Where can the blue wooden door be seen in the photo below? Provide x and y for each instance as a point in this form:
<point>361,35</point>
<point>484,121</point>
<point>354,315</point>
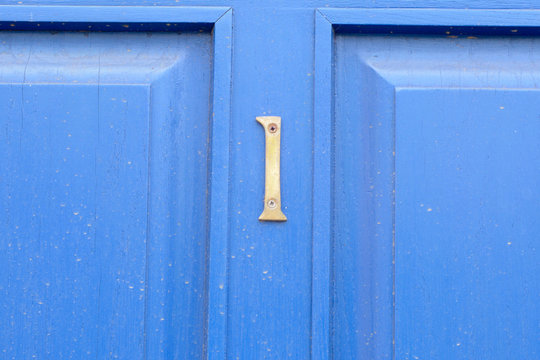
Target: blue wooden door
<point>133,176</point>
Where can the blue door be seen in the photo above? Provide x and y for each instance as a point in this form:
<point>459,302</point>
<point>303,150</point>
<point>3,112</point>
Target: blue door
<point>400,144</point>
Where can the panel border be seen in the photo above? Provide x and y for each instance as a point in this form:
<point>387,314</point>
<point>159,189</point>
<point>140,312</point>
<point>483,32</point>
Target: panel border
<point>221,20</point>
<point>327,22</point>
<point>111,14</point>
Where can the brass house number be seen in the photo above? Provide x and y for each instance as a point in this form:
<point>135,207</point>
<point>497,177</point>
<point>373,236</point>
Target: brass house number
<point>272,193</point>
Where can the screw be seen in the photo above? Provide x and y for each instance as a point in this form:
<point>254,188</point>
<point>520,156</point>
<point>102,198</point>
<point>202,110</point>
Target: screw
<point>271,203</point>
<point>272,128</point>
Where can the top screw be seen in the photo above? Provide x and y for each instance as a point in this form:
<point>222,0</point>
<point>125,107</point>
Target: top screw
<point>272,128</point>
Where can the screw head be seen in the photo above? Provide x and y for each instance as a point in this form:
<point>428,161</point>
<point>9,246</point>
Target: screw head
<point>272,128</point>
<point>271,203</point>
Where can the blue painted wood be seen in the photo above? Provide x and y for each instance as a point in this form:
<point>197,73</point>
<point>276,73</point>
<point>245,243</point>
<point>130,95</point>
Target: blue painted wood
<point>218,253</point>
<point>125,217</point>
<point>322,190</point>
<point>363,239</point>
<point>433,17</point>
<point>178,210</point>
<point>307,5</point>
<point>264,291</point>
<point>403,286</point>
<point>467,223</point>
<point>270,263</point>
<point>69,272</point>
<point>112,14</point>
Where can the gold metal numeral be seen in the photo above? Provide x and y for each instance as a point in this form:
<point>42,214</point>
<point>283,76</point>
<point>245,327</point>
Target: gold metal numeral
<point>272,193</point>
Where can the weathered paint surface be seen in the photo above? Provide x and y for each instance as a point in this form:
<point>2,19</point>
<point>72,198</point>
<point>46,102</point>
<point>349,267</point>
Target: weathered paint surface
<point>103,153</point>
<point>133,175</point>
<point>435,242</point>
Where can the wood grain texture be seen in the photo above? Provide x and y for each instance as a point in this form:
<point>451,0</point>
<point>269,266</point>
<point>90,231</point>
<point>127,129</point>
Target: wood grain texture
<point>305,4</point>
<point>320,285</point>
<point>322,190</point>
<point>218,252</point>
<point>122,122</point>
<point>381,221</point>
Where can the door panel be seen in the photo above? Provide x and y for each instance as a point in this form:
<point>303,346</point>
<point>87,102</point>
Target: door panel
<point>104,154</point>
<point>435,192</point>
<point>467,190</point>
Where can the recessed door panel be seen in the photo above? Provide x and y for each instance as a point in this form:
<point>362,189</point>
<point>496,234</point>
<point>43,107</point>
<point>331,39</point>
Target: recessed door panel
<point>467,190</point>
<point>104,148</point>
<point>435,197</point>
